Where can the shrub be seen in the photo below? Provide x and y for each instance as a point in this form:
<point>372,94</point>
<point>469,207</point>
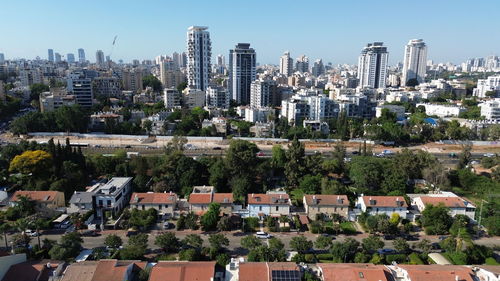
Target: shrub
<point>309,258</point>
<point>347,228</point>
<point>285,229</point>
<point>315,227</point>
<point>324,256</point>
<point>399,258</point>
<point>458,258</point>
<point>491,261</point>
<point>415,259</point>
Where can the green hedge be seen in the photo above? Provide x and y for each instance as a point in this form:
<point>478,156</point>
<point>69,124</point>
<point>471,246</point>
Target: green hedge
<point>399,258</point>
<point>324,256</point>
<point>415,259</point>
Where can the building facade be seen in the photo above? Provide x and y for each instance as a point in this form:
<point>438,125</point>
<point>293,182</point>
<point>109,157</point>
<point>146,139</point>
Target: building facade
<point>242,71</point>
<point>286,64</point>
<point>199,53</point>
<point>264,93</point>
<point>372,65</point>
<point>415,61</point>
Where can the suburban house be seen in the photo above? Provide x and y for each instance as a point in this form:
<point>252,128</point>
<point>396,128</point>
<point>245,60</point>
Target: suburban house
<point>202,196</point>
<point>48,203</point>
<point>80,202</point>
<point>104,270</point>
<point>164,203</point>
<point>268,271</point>
<point>326,204</point>
<point>354,271</point>
<point>432,272</point>
<point>268,204</point>
<point>37,270</point>
<point>112,196</point>
<point>456,204</point>
<point>183,271</point>
<point>376,205</point>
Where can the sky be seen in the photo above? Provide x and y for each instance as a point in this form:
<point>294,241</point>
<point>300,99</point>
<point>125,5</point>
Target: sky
<point>334,30</point>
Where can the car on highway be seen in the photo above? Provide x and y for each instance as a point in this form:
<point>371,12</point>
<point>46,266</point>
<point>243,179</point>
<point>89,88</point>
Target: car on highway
<point>261,154</point>
<point>263,235</point>
<point>216,148</point>
<point>489,155</point>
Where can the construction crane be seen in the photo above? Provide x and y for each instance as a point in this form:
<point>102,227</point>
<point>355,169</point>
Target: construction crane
<point>113,46</point>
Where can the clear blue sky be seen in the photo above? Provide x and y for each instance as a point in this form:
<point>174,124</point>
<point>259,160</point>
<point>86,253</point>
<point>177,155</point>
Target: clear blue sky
<point>334,30</point>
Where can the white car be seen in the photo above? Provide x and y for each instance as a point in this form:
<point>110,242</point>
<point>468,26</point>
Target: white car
<point>31,233</point>
<point>263,235</point>
<point>489,155</point>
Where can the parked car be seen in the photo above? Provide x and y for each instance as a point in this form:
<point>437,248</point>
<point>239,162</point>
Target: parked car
<point>263,235</point>
<point>410,237</point>
<point>31,233</point>
<point>216,148</point>
<point>70,229</point>
<point>386,251</point>
<point>389,237</point>
<point>132,232</point>
<point>65,224</point>
<point>442,237</point>
<point>90,233</point>
<point>168,225</point>
<point>261,154</point>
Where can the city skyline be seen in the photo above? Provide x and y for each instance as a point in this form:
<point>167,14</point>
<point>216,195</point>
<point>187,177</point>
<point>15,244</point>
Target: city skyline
<point>335,37</point>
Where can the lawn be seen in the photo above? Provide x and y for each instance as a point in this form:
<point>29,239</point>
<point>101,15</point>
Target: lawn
<point>347,227</point>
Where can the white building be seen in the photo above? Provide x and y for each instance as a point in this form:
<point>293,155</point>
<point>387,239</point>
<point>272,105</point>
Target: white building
<point>112,196</point>
<point>492,83</point>
<point>397,109</point>
<point>372,65</point>
<point>457,205</point>
<point>302,64</point>
<point>415,61</point>
<point>268,204</point>
<point>193,98</point>
<point>442,110</point>
<point>490,110</point>
<point>242,71</point>
<point>54,99</point>
<point>313,107</point>
<point>171,98</point>
<point>217,97</point>
<point>260,114</point>
<point>286,64</point>
<point>199,53</point>
<point>263,93</point>
<point>376,205</point>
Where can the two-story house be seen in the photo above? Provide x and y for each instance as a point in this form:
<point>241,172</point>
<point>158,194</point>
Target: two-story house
<point>112,196</point>
<point>268,204</point>
<point>164,203</point>
<point>457,205</point>
<point>47,203</point>
<point>198,202</point>
<point>375,205</point>
<point>80,202</point>
<point>326,205</point>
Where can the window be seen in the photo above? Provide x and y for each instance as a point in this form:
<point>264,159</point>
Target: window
<point>100,202</point>
<point>260,208</point>
<point>277,208</point>
<point>108,202</point>
<point>142,207</point>
<point>159,207</point>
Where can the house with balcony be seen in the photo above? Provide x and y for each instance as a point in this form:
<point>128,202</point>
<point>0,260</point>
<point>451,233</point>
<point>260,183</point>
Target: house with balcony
<point>202,196</point>
<point>268,204</point>
<point>456,204</point>
<point>376,205</point>
<point>326,205</point>
<point>111,196</point>
<point>163,203</point>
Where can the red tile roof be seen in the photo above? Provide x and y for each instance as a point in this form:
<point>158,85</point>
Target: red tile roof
<point>114,270</point>
<point>153,198</point>
<point>31,271</point>
<point>354,272</point>
<point>183,271</point>
<point>207,198</point>
<point>450,202</point>
<point>223,198</point>
<point>262,271</point>
<point>385,201</point>
<point>43,196</point>
<point>327,200</point>
<point>271,198</point>
<point>436,272</point>
<point>200,198</point>
<point>81,271</point>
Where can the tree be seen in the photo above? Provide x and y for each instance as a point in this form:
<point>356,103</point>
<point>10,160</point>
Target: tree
<point>310,184</point>
<point>193,240</point>
<point>36,89</point>
<point>151,81</point>
<point>294,167</point>
<point>344,251</point>
<point>167,241</point>
<point>241,158</point>
<point>113,241</point>
<point>250,242</point>
<point>401,245</point>
<point>217,243</point>
<point>139,240</point>
<point>224,224</point>
<point>436,219</point>
<point>189,255</point>
<point>301,244</point>
<point>34,162</point>
<point>465,156</point>
<point>323,242</point>
<point>68,248</point>
<point>211,217</point>
<point>372,243</point>
<point>424,245</point>
<point>4,228</point>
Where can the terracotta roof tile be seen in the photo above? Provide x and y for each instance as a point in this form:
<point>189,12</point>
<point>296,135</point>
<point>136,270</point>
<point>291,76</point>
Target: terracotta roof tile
<point>200,198</point>
<point>273,199</point>
<point>438,272</point>
<point>183,271</point>
<point>327,200</point>
<point>223,198</point>
<point>384,201</point>
<point>44,196</point>
<point>114,270</point>
<point>82,271</point>
<point>262,271</point>
<point>450,202</point>
<point>354,272</point>
<point>153,198</point>
<point>31,270</point>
